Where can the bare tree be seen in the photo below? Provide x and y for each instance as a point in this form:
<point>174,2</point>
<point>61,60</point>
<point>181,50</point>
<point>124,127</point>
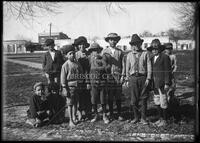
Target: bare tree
<point>146,33</point>
<point>26,11</point>
<point>113,8</point>
<point>186,16</point>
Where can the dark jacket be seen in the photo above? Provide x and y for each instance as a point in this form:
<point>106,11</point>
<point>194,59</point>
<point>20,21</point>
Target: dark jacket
<point>37,104</point>
<point>161,71</point>
<point>52,66</point>
<point>115,62</point>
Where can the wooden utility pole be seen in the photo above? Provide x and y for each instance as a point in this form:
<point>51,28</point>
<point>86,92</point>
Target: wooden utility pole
<point>50,31</point>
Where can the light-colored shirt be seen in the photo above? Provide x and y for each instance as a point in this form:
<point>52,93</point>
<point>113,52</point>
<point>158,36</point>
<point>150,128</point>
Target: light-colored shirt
<point>173,62</point>
<point>155,58</point>
<point>52,53</point>
<point>112,50</point>
<point>138,62</point>
<point>70,71</point>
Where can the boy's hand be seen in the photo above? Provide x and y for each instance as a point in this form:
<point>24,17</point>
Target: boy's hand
<point>88,86</point>
<point>127,84</point>
<point>166,88</point>
<point>122,80</point>
<point>147,82</point>
<point>65,92</point>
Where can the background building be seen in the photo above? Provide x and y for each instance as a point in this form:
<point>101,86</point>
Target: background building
<point>56,36</point>
<point>14,46</point>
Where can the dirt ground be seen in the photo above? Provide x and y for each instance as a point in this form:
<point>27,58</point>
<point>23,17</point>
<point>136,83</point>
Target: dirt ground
<point>19,81</point>
<point>14,127</point>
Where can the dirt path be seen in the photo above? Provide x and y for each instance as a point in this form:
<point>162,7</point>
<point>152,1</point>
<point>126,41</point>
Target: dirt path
<point>30,64</point>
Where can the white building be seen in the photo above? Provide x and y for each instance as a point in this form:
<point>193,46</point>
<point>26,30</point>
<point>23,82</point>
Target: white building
<point>14,46</point>
<point>61,42</point>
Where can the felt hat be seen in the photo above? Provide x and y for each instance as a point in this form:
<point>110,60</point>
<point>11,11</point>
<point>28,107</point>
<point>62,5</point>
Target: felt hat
<point>135,39</point>
<point>95,47</point>
<point>80,40</point>
<point>49,42</point>
<point>169,46</point>
<point>67,48</point>
<point>112,36</point>
<point>38,84</point>
<point>157,47</point>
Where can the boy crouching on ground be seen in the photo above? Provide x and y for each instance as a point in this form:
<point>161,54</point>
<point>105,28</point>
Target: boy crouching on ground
<point>38,112</point>
<point>69,82</point>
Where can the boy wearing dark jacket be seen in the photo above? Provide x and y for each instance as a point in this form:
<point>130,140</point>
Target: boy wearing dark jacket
<point>52,63</point>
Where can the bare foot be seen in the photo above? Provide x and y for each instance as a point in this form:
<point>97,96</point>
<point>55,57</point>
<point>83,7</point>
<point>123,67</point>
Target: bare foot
<point>71,124</point>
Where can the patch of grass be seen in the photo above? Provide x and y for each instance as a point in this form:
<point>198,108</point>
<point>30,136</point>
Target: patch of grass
<point>18,89</point>
<point>13,68</point>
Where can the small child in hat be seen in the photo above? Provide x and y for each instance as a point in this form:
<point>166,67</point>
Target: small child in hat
<point>39,110</point>
<point>98,80</point>
<point>161,80</point>
<point>70,81</point>
<point>84,109</point>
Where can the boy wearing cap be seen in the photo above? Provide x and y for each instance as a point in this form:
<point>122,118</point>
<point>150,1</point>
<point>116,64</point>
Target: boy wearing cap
<point>161,80</point>
<point>138,75</point>
<point>52,63</point>
<point>114,56</point>
<point>70,82</point>
<point>173,102</point>
<point>85,97</point>
<point>98,80</point>
<point>39,109</point>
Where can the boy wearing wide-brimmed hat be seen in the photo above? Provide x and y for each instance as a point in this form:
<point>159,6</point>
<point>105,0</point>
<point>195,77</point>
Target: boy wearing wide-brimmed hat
<point>138,75</point>
<point>114,56</point>
<point>70,81</point>
<point>52,63</point>
<point>98,80</point>
<point>161,80</point>
<point>82,57</point>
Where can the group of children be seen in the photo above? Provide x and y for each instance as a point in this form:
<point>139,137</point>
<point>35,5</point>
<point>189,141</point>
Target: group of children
<point>83,79</point>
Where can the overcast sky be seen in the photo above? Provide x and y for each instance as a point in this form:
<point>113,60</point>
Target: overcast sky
<point>91,19</point>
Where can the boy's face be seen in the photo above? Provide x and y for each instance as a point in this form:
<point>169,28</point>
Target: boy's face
<point>155,51</point>
<point>39,91</point>
<point>54,91</point>
<point>168,51</point>
<point>112,42</point>
<point>71,55</point>
<point>82,47</point>
<point>51,47</point>
<point>94,53</point>
<point>136,47</point>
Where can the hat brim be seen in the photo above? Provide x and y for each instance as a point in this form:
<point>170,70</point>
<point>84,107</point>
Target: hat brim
<point>160,48</point>
<point>94,49</point>
<point>168,48</point>
<point>53,44</point>
<point>136,42</point>
<point>117,38</point>
<point>78,42</point>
